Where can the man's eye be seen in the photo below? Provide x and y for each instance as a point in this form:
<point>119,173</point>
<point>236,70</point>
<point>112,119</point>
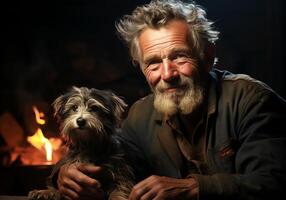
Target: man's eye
<point>153,66</point>
<point>182,55</point>
<point>181,58</point>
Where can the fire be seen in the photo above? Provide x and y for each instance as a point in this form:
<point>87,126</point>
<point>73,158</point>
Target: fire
<point>38,140</point>
<point>39,115</point>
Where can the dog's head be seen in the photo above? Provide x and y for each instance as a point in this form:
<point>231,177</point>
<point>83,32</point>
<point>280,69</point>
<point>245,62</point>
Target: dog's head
<point>86,114</point>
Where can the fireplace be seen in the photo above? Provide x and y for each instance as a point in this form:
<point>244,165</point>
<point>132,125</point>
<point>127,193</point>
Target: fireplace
<point>27,158</point>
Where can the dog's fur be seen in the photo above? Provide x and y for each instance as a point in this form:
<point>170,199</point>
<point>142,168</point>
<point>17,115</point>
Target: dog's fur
<point>89,120</point>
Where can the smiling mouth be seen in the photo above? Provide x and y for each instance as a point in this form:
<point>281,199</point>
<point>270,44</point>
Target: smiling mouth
<point>173,89</point>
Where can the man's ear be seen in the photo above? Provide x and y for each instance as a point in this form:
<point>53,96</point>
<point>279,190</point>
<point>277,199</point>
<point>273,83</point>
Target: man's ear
<point>209,56</point>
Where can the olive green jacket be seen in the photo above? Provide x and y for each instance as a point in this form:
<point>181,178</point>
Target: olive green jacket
<point>245,145</point>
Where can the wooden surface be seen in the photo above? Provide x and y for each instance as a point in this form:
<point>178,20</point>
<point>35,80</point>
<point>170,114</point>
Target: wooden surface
<point>13,198</point>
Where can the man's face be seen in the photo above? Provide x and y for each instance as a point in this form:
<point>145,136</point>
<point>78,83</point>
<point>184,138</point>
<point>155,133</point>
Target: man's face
<point>169,68</point>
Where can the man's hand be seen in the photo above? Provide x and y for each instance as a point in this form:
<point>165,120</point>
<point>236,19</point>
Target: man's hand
<point>159,187</point>
<point>74,182</point>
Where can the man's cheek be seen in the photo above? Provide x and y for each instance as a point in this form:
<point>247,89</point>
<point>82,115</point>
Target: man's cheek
<point>153,80</point>
<point>188,70</point>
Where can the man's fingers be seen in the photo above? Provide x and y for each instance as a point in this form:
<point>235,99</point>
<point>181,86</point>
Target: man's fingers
<point>67,180</point>
<point>85,180</point>
<point>88,168</point>
<point>75,173</point>
<point>74,181</point>
<point>68,193</point>
<point>145,189</point>
<point>72,185</point>
<point>72,190</point>
<point>138,191</point>
<point>149,195</point>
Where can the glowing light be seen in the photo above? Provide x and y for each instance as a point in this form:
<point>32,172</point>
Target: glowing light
<point>39,116</point>
<point>39,141</point>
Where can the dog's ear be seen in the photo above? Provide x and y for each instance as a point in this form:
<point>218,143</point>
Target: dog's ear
<point>58,105</point>
<point>119,107</point>
<point>75,89</point>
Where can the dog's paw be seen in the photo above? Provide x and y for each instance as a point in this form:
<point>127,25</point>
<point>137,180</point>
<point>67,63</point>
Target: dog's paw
<point>44,195</point>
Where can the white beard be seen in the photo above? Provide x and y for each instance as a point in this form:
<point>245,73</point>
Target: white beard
<point>184,100</point>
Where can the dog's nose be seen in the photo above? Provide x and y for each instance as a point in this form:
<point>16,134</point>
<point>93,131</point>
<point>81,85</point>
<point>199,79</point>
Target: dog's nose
<point>80,122</point>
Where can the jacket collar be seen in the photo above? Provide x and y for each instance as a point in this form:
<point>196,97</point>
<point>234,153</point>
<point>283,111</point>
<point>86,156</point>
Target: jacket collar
<point>212,93</point>
<point>169,144</point>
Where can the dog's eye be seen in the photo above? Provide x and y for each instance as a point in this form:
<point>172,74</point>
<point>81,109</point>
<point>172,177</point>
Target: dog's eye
<point>94,108</point>
<point>74,108</point>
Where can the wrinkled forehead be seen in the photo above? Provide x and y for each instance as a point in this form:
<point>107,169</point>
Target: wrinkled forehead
<point>164,39</point>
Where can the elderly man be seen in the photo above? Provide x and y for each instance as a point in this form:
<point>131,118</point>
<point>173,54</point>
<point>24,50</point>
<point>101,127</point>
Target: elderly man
<point>203,133</point>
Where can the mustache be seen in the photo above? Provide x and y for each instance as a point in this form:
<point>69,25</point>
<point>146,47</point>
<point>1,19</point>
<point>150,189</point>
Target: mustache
<point>182,82</point>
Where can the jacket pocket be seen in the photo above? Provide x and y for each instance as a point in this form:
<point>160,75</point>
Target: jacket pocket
<point>222,158</point>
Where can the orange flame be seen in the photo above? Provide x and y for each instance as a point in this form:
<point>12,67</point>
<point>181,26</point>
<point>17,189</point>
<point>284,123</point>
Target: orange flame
<point>39,115</point>
<point>38,140</point>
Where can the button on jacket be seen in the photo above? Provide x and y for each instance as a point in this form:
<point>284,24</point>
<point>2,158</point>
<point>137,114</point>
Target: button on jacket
<point>245,140</point>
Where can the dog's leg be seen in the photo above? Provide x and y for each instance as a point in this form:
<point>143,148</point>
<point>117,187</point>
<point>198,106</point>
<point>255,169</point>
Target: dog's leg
<point>49,194</point>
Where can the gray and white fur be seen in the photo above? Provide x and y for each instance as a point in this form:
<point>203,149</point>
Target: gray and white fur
<point>89,122</point>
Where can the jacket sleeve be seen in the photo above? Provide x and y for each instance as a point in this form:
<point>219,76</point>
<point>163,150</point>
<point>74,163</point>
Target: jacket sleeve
<point>131,144</point>
<point>260,161</point>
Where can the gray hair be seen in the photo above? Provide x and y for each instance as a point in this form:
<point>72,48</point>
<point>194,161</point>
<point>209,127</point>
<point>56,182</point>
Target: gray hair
<point>157,14</point>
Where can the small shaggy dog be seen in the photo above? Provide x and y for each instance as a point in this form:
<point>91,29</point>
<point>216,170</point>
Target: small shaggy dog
<point>89,120</point>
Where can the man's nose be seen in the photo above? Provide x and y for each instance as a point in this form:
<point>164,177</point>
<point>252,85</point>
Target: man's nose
<point>169,71</point>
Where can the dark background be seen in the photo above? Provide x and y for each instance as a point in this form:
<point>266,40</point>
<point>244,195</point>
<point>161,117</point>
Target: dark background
<point>47,47</point>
